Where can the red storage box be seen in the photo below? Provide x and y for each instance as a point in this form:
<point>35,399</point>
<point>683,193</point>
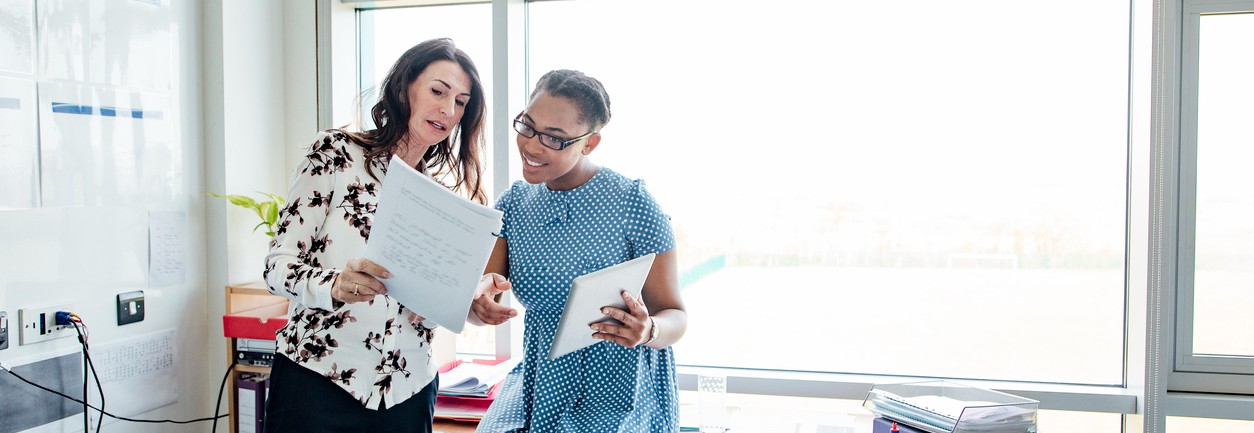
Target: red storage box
<point>254,314</point>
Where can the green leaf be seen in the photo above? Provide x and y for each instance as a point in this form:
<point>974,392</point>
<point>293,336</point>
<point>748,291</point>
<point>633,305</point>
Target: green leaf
<point>277,199</point>
<point>272,214</point>
<point>267,211</point>
<point>263,210</point>
<point>238,200</point>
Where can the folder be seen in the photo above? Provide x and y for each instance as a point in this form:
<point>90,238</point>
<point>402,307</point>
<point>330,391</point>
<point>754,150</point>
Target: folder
<point>251,404</point>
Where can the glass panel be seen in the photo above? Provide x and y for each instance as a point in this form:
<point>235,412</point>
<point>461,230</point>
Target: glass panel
<point>387,33</point>
<point>1059,421</point>
<point>1224,262</point>
<point>1179,424</point>
<point>938,190</point>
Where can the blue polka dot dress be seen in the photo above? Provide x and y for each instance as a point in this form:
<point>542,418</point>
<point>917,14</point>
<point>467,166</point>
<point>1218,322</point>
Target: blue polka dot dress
<point>555,236</point>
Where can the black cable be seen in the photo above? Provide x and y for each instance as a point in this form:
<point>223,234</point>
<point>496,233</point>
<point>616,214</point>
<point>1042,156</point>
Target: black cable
<point>86,368</point>
<point>154,421</point>
<point>86,413</point>
<point>218,404</point>
<point>95,375</point>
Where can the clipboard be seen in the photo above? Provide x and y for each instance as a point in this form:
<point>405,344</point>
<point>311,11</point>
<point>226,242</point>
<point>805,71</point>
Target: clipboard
<point>590,292</point>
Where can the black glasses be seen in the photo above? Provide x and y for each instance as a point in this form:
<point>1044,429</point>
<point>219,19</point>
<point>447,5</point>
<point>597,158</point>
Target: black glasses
<point>547,140</point>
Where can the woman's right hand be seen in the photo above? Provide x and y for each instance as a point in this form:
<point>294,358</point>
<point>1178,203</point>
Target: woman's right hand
<point>359,281</point>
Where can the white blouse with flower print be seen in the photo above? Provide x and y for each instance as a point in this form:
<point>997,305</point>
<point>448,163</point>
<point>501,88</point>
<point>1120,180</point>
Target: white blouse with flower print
<point>376,350</point>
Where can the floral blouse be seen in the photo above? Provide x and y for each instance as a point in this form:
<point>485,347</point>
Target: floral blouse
<point>376,350</point>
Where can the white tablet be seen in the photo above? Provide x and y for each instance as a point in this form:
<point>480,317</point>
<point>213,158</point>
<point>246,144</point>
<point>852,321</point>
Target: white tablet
<point>590,292</point>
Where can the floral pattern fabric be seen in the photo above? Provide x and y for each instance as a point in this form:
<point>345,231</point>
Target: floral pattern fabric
<point>376,350</point>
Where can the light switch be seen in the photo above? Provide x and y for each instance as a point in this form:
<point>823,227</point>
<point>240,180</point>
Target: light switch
<point>130,307</point>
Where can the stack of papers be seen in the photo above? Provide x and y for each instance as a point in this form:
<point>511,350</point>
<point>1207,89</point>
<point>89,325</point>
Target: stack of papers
<point>434,242</point>
<point>939,407</point>
<point>470,379</point>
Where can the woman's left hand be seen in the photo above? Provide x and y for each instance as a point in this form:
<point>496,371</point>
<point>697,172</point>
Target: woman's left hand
<point>636,324</point>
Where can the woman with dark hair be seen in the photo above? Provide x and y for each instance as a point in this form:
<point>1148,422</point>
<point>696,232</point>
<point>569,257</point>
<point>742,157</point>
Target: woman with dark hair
<point>351,358</point>
<point>568,217</point>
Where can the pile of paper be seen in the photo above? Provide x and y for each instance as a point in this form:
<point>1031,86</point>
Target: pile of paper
<point>940,407</point>
<point>472,379</point>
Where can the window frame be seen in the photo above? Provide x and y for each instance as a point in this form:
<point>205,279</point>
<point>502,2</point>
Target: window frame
<point>1192,372</point>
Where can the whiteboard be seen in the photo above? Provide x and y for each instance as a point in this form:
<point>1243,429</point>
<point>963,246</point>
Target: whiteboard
<point>116,42</point>
<point>105,147</point>
<point>17,36</point>
<point>18,144</point>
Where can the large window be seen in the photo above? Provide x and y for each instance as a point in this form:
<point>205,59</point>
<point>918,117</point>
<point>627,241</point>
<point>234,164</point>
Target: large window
<point>384,34</point>
<point>921,188</point>
<point>927,189</point>
<point>1216,263</point>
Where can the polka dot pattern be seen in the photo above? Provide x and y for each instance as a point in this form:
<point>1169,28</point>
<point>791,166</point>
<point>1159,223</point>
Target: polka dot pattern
<point>553,237</point>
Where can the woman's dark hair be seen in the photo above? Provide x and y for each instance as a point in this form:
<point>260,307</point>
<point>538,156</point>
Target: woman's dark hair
<point>586,92</point>
<point>391,118</point>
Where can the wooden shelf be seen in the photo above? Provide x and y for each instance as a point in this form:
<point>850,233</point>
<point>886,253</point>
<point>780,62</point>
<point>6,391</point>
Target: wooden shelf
<point>244,298</point>
<point>241,368</point>
<point>250,289</point>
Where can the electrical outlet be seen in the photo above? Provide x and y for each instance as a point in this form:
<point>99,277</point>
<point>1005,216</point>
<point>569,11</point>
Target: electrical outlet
<point>40,323</point>
<point>4,330</point>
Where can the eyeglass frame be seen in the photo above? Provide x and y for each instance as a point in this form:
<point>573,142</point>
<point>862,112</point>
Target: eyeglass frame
<point>563,143</point>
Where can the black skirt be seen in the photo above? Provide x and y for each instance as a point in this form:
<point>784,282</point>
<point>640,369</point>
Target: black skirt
<point>301,400</point>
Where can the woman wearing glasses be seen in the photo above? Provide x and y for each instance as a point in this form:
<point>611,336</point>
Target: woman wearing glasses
<point>569,218</point>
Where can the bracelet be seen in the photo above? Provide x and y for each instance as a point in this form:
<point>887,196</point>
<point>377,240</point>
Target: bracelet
<point>652,330</point>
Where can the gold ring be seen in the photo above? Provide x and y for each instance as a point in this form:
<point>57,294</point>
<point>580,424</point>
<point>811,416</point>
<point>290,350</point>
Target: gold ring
<point>356,288</point>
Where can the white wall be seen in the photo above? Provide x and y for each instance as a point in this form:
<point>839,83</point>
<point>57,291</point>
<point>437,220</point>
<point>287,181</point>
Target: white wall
<point>244,93</point>
<point>86,255</point>
<point>260,112</point>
